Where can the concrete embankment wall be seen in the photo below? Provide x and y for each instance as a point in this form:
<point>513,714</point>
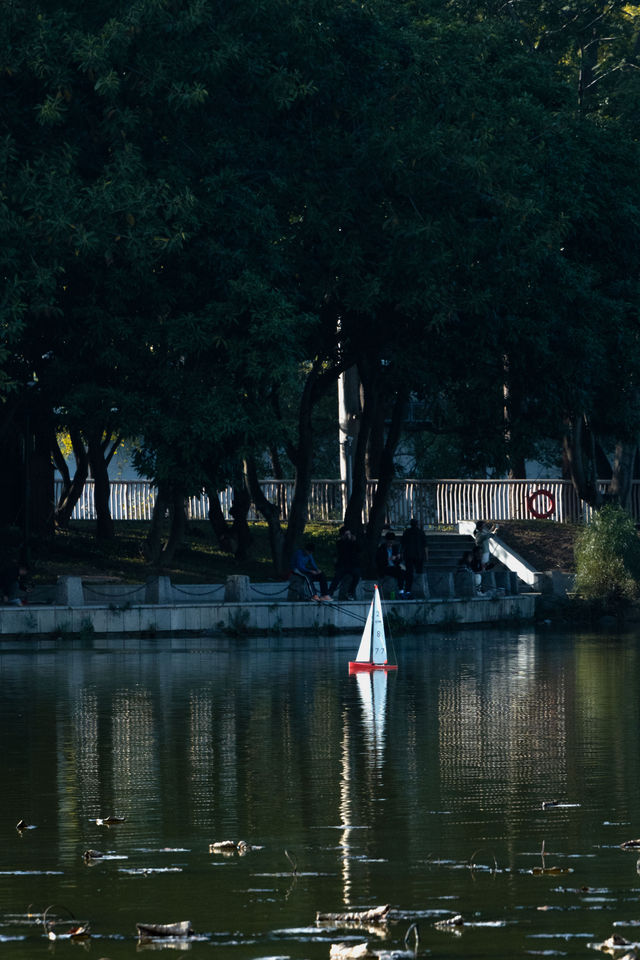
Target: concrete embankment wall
<point>257,618</point>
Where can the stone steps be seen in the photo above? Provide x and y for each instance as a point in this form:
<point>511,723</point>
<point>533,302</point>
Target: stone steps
<point>445,549</point>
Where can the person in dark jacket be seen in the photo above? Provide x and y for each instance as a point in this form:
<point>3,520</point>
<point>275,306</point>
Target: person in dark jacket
<point>389,560</point>
<point>347,566</point>
<point>304,564</point>
<point>414,552</point>
<point>12,582</point>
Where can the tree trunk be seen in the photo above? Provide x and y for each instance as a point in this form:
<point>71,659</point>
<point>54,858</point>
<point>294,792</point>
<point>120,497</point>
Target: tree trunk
<point>375,446</point>
<point>349,417</point>
<point>26,481</point>
<point>357,500</point>
<point>152,548</point>
<point>387,473</point>
<point>316,385</point>
<point>580,458</point>
<point>276,463</point>
<point>271,514</point>
<point>623,471</point>
<point>588,66</point>
<point>177,524</point>
<point>221,529</point>
<point>71,488</point>
<point>100,474</point>
<point>304,466</point>
<point>240,511</point>
<point>41,504</point>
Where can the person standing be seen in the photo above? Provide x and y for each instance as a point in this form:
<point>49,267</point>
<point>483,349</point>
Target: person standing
<point>12,582</point>
<point>414,552</point>
<point>389,560</point>
<point>347,566</point>
<point>482,535</point>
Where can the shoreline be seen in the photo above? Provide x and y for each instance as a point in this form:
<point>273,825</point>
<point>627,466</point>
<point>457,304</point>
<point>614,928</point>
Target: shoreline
<point>262,618</point>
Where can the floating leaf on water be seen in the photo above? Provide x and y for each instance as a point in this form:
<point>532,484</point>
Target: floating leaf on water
<point>550,871</point>
<point>109,821</point>
<point>347,951</point>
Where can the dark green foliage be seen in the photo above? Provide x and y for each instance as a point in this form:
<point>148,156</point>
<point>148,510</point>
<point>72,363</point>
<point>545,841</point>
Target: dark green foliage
<point>608,559</point>
<point>210,209</point>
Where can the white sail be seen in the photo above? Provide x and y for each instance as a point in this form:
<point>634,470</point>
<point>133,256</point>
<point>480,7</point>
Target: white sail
<point>364,650</point>
<point>378,639</point>
<point>373,645</point>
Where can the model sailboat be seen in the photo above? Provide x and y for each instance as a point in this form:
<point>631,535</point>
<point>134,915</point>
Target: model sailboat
<point>372,652</point>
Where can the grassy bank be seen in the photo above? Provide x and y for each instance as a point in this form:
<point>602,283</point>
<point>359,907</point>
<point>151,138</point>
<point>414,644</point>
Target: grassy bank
<point>76,552</point>
<point>544,544</point>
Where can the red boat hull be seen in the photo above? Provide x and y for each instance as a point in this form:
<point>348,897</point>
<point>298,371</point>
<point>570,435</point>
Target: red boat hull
<point>357,667</point>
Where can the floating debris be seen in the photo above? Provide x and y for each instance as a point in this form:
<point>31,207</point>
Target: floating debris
<point>346,951</point>
<point>558,804</point>
<point>92,855</point>
<point>109,821</point>
<point>375,915</point>
<point>152,931</point>
<point>551,871</point>
<point>23,825</point>
<point>630,845</point>
<point>233,846</point>
<point>450,922</point>
<point>77,930</point>
<point>615,945</point>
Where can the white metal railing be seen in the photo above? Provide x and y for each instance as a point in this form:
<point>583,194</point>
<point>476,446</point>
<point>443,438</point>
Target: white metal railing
<point>434,503</point>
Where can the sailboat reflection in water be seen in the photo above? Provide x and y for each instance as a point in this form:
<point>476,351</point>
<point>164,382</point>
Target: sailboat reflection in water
<point>372,688</point>
<point>372,652</point>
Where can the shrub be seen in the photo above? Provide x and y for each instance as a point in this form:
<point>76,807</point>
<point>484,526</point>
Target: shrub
<point>608,559</point>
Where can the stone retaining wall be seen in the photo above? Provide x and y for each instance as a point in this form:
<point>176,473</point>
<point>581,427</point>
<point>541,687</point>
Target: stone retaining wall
<point>237,619</point>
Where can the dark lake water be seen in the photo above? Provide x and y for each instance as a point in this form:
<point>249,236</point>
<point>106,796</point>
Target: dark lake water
<point>424,790</point>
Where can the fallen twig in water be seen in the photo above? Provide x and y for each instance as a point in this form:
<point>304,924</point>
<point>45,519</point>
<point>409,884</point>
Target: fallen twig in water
<point>538,871</point>
<point>77,931</point>
<point>23,825</point>
<point>450,923</point>
<point>292,862</point>
<point>473,855</point>
<point>233,846</point>
<point>413,929</point>
<point>375,914</point>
